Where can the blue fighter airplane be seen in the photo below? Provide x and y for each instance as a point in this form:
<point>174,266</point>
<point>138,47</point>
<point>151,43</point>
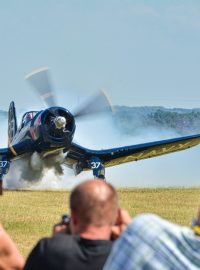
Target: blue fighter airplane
<point>49,133</point>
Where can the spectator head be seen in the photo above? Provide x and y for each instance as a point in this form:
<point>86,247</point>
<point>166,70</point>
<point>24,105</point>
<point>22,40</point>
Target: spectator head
<point>93,203</point>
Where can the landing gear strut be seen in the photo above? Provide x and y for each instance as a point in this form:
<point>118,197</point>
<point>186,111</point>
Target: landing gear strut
<point>4,166</point>
<point>98,168</point>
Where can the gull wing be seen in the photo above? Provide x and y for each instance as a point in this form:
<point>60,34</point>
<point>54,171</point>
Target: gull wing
<point>115,156</point>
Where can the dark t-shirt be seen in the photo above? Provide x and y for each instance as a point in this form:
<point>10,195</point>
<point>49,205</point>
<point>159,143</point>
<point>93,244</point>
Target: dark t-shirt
<point>68,252</point>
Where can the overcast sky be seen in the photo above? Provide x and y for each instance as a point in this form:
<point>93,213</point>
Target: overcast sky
<point>141,52</point>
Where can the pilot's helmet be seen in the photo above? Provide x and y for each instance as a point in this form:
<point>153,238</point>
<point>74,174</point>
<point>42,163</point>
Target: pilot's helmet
<point>29,117</point>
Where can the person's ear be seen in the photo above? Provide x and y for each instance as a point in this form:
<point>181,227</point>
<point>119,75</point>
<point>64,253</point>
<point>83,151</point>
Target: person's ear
<point>74,220</point>
<point>118,217</point>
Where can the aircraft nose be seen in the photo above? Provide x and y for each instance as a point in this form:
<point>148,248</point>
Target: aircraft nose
<point>60,122</point>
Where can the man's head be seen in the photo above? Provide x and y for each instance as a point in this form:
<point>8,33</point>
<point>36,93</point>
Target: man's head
<point>93,203</point>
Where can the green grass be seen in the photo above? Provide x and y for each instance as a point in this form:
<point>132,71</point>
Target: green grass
<point>29,215</point>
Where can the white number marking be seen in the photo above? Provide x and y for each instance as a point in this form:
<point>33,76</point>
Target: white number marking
<point>3,164</point>
<point>95,165</point>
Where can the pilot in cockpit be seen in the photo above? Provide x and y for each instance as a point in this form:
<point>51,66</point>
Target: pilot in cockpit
<point>27,117</point>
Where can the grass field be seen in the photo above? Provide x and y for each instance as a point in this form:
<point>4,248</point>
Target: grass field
<point>29,215</point>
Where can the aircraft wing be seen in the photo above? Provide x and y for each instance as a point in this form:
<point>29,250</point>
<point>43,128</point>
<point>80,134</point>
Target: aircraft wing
<point>16,150</point>
<point>116,156</point>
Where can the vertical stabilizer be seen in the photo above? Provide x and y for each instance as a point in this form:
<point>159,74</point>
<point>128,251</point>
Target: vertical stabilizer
<point>12,122</point>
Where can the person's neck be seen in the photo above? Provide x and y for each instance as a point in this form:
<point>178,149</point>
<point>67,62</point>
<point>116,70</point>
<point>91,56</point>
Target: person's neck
<point>96,233</point>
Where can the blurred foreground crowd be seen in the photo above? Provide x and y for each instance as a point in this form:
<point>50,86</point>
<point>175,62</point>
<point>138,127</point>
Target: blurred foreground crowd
<point>99,235</point>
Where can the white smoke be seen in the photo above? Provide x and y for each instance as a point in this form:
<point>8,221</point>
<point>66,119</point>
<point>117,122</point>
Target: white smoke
<point>177,169</point>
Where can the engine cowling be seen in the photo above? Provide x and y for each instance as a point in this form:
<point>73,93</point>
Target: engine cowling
<point>58,127</point>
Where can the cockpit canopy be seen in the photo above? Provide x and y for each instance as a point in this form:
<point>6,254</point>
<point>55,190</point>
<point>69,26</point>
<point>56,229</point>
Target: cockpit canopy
<point>28,116</point>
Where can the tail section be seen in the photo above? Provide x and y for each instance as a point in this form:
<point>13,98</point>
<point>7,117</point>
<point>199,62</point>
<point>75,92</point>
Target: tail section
<point>12,122</point>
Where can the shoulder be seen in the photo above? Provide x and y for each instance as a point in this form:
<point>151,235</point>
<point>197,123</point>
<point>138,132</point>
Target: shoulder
<point>47,250</point>
<point>49,245</point>
<point>140,237</point>
<point>149,227</point>
<point>147,217</point>
<point>57,242</point>
<point>145,221</point>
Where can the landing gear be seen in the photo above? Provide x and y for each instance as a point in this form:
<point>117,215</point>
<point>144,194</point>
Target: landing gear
<point>1,186</point>
<point>4,166</point>
<point>98,168</point>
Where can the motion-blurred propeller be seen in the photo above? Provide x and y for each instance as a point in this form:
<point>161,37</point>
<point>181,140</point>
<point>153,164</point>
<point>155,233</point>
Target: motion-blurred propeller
<point>97,104</point>
<point>40,80</point>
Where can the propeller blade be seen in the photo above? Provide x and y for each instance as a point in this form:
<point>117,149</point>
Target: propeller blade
<point>39,79</point>
<point>98,104</point>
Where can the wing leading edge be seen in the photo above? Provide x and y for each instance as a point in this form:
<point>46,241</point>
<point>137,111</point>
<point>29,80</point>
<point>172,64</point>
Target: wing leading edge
<point>116,156</point>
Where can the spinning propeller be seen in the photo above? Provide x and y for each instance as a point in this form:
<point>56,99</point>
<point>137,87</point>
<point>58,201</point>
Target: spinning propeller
<point>41,82</point>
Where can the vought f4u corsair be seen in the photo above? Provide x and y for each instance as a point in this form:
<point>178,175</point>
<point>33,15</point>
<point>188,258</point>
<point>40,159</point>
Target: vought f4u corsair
<point>49,133</point>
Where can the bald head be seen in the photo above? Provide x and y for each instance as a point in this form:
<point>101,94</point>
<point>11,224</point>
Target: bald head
<point>95,203</point>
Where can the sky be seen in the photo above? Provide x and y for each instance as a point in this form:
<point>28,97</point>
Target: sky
<point>143,53</point>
